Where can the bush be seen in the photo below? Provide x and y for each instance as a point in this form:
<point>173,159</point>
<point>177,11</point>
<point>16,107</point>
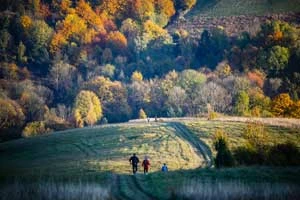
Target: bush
<point>224,157</point>
<point>142,114</point>
<point>286,154</point>
<point>212,115</point>
<point>34,129</point>
<point>104,121</point>
<point>249,155</point>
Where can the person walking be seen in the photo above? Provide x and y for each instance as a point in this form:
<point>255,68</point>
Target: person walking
<point>134,160</point>
<point>164,168</point>
<point>146,165</point>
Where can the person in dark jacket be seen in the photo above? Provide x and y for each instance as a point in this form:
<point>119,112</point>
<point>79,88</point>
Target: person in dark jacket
<point>134,160</point>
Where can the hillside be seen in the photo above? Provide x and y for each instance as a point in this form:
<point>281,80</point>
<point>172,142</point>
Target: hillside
<point>214,8</point>
<point>100,155</point>
<point>70,64</point>
<point>236,16</point>
<point>98,149</point>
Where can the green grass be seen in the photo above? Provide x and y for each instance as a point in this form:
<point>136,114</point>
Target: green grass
<point>98,157</point>
<point>91,151</point>
<point>206,131</point>
<point>242,7</point>
<point>163,184</point>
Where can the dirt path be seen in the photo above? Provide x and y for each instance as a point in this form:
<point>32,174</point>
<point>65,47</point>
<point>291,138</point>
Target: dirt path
<point>202,148</point>
<point>129,187</point>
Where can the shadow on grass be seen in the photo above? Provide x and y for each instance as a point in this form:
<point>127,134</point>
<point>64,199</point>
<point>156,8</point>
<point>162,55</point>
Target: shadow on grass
<point>210,183</point>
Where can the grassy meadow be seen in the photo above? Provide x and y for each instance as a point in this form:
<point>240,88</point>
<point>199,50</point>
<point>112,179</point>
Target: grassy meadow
<point>92,163</point>
<point>218,8</point>
<point>206,131</point>
<point>93,150</point>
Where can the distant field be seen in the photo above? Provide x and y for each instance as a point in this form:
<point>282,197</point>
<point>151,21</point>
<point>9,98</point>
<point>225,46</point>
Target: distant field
<point>214,8</point>
<point>206,130</point>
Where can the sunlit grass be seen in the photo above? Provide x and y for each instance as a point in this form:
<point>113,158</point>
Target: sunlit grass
<point>206,129</point>
<point>97,155</point>
<point>97,150</point>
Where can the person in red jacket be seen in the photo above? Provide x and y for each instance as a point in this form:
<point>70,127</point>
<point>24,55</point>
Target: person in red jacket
<point>146,165</point>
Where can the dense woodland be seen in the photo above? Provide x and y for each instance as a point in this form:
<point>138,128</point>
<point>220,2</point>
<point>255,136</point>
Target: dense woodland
<point>77,63</point>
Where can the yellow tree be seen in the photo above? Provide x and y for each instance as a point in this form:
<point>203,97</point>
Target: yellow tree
<point>116,41</point>
<point>114,8</point>
<point>137,76</point>
<point>11,114</point>
<point>85,11</point>
<point>142,114</point>
<point>113,96</point>
<point>72,26</point>
<point>295,109</point>
<point>281,105</point>
<point>143,9</point>
<point>26,22</point>
<point>87,108</point>
<point>166,7</point>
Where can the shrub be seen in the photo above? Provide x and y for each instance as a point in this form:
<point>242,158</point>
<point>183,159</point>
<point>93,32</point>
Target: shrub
<point>249,155</point>
<point>286,154</point>
<point>104,121</point>
<point>142,114</point>
<point>256,135</point>
<point>224,157</point>
<point>256,148</point>
<point>34,129</point>
<point>212,115</point>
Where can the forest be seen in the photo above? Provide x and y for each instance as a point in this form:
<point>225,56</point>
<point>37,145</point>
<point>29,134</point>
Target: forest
<point>67,64</point>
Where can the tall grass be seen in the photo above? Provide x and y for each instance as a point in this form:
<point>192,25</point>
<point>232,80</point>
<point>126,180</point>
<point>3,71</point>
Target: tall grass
<point>51,191</point>
<point>214,190</point>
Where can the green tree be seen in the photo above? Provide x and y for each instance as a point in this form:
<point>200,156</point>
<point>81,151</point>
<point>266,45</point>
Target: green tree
<point>21,53</point>
<point>108,70</point>
<point>4,40</point>
<point>242,104</point>
<point>190,79</point>
<point>224,157</point>
<point>278,59</point>
<point>87,108</point>
<point>40,35</point>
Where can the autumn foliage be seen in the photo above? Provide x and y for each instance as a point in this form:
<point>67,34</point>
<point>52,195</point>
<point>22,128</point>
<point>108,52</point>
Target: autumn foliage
<point>281,105</point>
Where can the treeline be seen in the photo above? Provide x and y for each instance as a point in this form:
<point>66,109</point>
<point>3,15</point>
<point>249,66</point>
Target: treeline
<point>77,63</point>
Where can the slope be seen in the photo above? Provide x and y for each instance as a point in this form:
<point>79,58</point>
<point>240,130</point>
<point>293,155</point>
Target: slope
<point>215,8</point>
<point>90,151</point>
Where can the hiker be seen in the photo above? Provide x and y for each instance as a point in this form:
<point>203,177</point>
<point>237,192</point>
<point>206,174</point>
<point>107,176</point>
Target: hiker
<point>134,160</point>
<point>164,168</point>
<point>146,164</point>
